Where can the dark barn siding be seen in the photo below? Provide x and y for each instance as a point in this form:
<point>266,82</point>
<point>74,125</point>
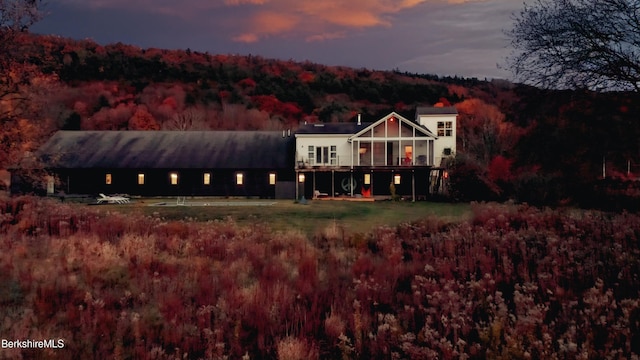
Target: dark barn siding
<point>81,160</point>
<point>157,182</point>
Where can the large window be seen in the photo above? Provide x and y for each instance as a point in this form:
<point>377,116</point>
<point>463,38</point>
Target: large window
<point>445,128</point>
<point>323,155</point>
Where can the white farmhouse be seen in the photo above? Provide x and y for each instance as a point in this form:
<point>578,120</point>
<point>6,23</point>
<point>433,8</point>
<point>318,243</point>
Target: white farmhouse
<point>364,159</point>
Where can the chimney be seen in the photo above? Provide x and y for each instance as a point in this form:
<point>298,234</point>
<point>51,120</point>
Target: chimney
<point>359,119</point>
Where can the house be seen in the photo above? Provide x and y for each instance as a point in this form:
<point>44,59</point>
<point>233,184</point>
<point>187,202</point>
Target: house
<point>176,163</point>
<point>365,159</point>
<point>358,159</point>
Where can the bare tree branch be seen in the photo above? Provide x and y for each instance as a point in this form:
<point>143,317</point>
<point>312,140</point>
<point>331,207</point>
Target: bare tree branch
<point>592,44</point>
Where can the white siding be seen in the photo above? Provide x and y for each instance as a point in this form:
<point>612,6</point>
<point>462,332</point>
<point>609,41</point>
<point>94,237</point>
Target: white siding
<point>343,148</point>
<point>443,142</point>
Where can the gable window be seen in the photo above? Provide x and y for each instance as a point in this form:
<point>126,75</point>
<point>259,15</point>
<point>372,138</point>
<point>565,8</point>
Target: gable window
<point>107,179</point>
<point>173,178</point>
<point>445,128</point>
<point>323,155</point>
<point>206,180</point>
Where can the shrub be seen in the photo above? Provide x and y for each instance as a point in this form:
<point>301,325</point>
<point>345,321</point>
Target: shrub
<point>511,282</point>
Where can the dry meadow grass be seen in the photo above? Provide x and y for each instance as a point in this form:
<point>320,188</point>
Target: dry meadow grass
<point>504,282</point>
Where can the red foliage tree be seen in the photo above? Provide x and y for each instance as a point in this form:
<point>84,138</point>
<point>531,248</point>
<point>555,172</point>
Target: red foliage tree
<point>143,120</point>
<point>500,169</point>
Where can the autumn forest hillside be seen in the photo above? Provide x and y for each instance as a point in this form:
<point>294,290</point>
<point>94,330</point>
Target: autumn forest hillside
<point>515,141</point>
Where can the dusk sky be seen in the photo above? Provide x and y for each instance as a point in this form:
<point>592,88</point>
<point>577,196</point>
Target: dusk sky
<point>442,37</point>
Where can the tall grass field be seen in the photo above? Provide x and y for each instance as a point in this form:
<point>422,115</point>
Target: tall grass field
<point>326,280</point>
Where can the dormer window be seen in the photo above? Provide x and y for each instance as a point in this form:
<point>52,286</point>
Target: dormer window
<point>445,128</point>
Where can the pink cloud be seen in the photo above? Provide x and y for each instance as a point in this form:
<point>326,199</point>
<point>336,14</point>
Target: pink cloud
<point>267,23</point>
<point>319,20</point>
<point>246,38</point>
<point>244,2</point>
<point>326,36</point>
<point>257,19</point>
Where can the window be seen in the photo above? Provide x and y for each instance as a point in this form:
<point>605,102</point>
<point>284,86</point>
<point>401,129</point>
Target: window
<point>323,155</point>
<point>107,179</point>
<point>367,179</point>
<point>408,155</point>
<point>272,178</point>
<point>173,178</point>
<point>50,184</point>
<point>333,155</point>
<point>396,179</point>
<point>140,179</point>
<point>207,179</point>
<point>312,156</point>
<point>445,128</point>
<point>239,179</point>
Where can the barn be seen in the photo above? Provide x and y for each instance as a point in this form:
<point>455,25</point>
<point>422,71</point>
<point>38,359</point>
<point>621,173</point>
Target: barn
<point>174,163</point>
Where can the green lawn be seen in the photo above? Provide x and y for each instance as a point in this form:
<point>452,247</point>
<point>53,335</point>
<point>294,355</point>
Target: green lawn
<point>315,216</point>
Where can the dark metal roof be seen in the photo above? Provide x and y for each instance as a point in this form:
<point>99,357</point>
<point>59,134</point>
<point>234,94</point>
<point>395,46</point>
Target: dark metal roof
<point>169,149</point>
<point>332,128</point>
<point>430,110</point>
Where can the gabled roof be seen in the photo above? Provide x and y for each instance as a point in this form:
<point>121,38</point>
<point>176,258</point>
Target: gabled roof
<point>430,110</point>
<point>399,117</point>
<point>332,128</point>
<point>169,150</point>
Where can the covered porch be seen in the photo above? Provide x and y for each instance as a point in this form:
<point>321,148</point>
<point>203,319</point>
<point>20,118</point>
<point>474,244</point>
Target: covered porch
<point>370,183</point>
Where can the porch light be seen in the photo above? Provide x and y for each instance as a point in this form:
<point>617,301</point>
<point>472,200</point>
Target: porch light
<point>396,179</point>
<point>301,178</point>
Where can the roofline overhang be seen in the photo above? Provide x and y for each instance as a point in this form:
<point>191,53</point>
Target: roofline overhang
<point>419,127</point>
<point>323,135</point>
